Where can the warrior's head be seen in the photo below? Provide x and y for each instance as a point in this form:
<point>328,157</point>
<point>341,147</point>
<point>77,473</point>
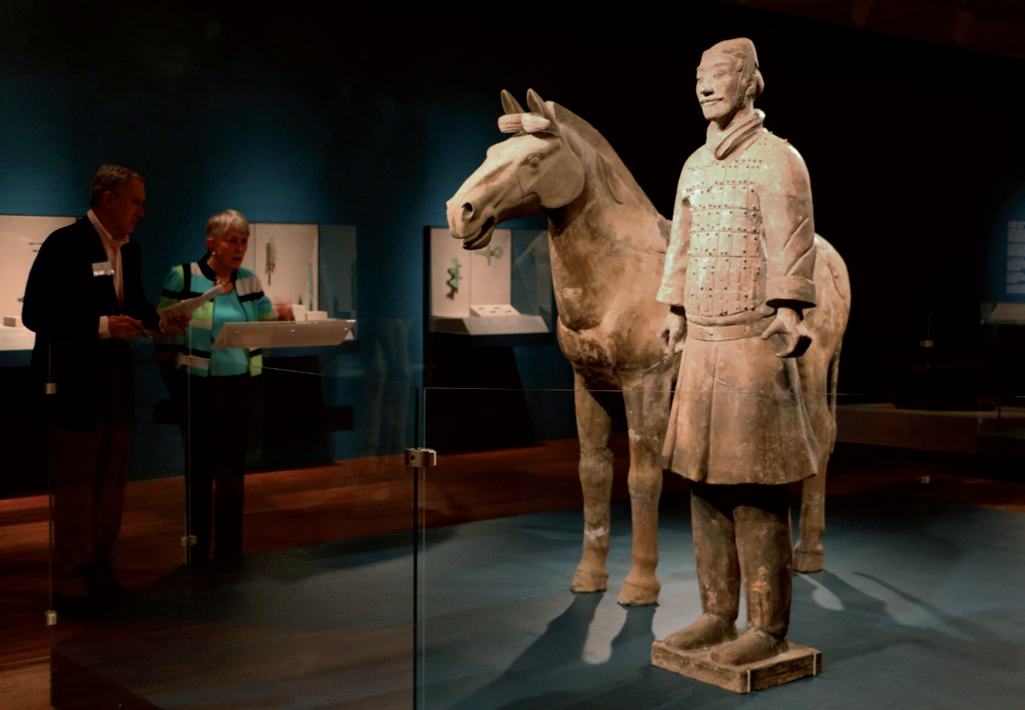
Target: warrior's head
<point>728,80</point>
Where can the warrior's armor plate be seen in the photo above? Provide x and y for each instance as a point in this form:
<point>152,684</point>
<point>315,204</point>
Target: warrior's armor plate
<point>726,263</point>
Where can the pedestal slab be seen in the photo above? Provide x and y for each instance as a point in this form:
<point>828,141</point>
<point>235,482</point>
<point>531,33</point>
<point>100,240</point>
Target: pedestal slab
<point>798,662</point>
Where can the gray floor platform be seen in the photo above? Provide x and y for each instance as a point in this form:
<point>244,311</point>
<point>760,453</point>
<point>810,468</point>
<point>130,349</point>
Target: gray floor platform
<point>921,606</point>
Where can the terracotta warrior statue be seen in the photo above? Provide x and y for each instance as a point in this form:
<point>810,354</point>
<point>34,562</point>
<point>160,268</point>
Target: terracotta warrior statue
<point>738,276</point>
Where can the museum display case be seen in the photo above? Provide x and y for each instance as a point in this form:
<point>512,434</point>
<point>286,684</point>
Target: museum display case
<point>20,237</point>
<point>503,289</point>
<point>367,580</point>
<point>364,580</point>
<point>414,514</point>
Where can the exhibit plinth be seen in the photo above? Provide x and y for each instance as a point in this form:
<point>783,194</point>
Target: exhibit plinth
<point>798,662</point>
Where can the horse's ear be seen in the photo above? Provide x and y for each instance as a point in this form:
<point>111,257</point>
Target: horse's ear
<point>510,105</point>
<point>540,107</point>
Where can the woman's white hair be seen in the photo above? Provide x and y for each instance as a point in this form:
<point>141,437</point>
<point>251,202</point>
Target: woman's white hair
<point>221,223</point>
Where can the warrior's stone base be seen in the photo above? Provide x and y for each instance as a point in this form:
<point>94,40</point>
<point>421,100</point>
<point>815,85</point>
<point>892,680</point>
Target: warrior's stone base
<point>798,662</point>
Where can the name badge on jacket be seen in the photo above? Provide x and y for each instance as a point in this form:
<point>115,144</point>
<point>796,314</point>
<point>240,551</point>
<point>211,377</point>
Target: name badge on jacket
<point>103,268</point>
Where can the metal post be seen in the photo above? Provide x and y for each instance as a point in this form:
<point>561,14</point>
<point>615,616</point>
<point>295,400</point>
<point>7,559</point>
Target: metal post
<point>417,459</point>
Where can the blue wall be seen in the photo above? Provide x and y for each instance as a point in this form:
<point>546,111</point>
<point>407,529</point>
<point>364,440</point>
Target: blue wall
<point>374,121</point>
<point>216,119</point>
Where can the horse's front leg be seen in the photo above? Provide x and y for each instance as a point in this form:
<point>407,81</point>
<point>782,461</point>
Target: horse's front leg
<point>594,427</point>
<point>647,410</point>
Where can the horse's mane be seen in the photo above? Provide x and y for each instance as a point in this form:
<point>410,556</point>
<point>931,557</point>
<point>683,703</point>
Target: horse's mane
<point>597,141</point>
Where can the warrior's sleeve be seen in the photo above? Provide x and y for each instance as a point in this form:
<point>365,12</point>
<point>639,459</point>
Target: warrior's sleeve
<point>784,192</point>
<point>674,277</point>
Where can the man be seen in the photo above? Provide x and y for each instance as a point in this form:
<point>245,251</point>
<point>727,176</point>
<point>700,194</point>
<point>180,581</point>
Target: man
<point>738,276</point>
<point>85,300</point>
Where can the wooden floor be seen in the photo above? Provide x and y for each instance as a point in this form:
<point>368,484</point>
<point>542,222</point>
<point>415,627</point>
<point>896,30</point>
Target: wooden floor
<point>367,497</point>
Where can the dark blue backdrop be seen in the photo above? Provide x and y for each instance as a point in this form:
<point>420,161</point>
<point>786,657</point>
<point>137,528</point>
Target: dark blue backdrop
<point>310,116</point>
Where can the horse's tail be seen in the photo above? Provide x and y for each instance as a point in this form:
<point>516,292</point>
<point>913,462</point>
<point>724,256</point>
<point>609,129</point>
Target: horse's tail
<point>838,270</point>
<point>842,283</point>
<point>833,376</point>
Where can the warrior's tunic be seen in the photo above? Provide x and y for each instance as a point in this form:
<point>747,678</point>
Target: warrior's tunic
<point>742,245</point>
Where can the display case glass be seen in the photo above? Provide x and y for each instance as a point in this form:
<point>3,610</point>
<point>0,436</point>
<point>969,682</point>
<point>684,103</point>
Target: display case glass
<point>311,268</point>
<point>502,289</point>
<point>293,582</point>
<point>20,238</point>
<point>914,538</point>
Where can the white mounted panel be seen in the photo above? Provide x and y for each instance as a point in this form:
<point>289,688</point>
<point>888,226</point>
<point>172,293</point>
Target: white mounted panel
<point>285,257</point>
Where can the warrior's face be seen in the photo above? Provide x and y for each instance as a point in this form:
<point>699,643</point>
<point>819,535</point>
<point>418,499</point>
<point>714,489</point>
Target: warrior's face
<point>721,86</point>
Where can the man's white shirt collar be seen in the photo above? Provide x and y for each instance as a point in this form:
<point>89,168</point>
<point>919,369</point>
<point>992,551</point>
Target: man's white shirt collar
<point>112,246</point>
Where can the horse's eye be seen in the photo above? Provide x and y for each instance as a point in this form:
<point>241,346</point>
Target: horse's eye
<point>532,160</point>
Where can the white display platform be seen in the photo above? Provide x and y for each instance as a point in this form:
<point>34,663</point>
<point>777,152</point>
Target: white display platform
<point>492,325</point>
<point>283,334</point>
<point>19,338</point>
<point>1004,314</point>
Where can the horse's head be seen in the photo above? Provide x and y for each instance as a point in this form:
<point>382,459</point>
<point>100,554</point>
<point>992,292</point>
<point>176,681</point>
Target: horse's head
<point>534,169</point>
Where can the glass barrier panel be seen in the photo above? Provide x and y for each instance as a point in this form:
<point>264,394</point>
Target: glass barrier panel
<point>24,529</point>
<point>117,514</point>
<point>531,597</point>
<point>266,551</point>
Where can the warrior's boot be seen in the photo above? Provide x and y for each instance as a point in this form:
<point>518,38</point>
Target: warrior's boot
<point>766,560</point>
<point>718,567</point>
<point>709,630</point>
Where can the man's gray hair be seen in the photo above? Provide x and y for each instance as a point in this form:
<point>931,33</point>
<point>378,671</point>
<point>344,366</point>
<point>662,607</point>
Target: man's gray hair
<point>111,178</point>
<point>221,223</point>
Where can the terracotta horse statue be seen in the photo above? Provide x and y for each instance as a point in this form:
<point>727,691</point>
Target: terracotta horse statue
<point>607,244</point>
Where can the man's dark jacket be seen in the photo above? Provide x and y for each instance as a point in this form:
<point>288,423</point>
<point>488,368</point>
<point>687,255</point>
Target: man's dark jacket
<point>63,304</point>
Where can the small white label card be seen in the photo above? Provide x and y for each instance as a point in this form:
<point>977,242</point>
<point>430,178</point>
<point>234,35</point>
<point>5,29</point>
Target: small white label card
<point>103,268</point>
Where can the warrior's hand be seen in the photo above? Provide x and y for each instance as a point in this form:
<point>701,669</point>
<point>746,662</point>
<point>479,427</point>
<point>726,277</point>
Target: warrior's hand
<point>673,331</point>
<point>789,325</point>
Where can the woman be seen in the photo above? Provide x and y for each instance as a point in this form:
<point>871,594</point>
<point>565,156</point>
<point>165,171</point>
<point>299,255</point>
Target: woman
<point>216,384</point>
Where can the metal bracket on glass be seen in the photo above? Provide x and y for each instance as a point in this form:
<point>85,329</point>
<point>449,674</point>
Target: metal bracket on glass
<point>51,388</point>
<point>51,618</point>
<point>188,540</point>
<point>421,458</point>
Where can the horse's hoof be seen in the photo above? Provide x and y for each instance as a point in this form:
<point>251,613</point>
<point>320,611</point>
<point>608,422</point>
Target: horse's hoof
<point>635,595</point>
<point>808,560</point>
<point>585,581</point>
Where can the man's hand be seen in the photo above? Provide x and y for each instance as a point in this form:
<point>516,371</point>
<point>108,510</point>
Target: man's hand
<point>789,325</point>
<point>175,326</point>
<point>124,327</point>
<point>283,311</point>
<point>673,331</point>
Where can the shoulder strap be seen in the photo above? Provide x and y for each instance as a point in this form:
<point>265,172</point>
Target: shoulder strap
<point>186,278</point>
